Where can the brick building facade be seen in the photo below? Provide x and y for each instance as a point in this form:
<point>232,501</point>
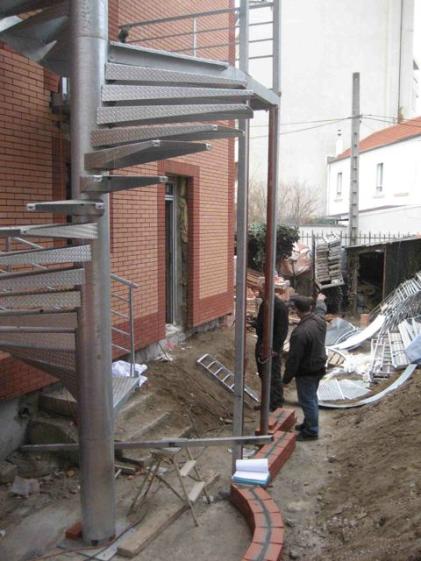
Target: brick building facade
<point>34,157</point>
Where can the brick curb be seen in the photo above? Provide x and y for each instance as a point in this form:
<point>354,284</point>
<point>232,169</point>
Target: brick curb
<point>256,505</point>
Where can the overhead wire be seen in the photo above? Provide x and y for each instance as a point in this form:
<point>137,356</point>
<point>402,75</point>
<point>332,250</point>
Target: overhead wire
<point>304,129</point>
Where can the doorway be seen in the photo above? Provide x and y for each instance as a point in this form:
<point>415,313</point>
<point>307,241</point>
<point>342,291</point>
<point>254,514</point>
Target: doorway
<point>176,251</point>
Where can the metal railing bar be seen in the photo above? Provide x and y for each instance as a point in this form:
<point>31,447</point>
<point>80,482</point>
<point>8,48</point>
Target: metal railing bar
<point>257,57</point>
<point>193,15</point>
<point>198,32</point>
<point>119,314</point>
<point>118,330</point>
<point>121,348</point>
<point>124,281</point>
<point>221,45</point>
<point>113,295</point>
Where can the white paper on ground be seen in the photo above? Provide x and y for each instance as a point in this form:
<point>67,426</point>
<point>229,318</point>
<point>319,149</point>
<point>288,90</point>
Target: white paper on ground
<point>122,368</point>
<point>260,465</point>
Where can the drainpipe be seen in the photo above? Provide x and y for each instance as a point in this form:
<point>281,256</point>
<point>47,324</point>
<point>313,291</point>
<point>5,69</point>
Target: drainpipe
<point>89,32</point>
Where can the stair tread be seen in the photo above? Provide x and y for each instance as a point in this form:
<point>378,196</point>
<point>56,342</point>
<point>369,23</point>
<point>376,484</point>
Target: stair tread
<point>135,49</point>
<point>187,132</point>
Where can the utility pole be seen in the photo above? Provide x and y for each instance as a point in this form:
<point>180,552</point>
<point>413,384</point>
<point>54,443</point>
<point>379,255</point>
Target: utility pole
<point>354,189</point>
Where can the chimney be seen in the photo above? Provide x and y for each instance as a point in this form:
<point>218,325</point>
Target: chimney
<point>339,143</point>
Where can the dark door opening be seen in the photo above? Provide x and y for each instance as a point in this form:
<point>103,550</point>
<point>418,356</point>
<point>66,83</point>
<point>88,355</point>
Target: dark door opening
<point>176,227</point>
<point>370,279</point>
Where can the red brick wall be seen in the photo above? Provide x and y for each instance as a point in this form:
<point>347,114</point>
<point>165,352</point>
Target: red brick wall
<point>33,158</point>
<point>26,154</point>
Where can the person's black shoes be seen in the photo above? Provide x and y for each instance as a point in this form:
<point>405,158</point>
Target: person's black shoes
<point>300,426</point>
<point>303,436</point>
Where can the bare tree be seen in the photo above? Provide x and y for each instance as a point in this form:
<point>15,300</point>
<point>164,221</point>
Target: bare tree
<point>298,202</point>
<point>257,201</point>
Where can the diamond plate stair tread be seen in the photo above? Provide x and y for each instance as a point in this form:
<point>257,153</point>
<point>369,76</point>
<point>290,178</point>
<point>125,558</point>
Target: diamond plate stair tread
<point>122,53</point>
<point>77,253</point>
<point>41,279</point>
<point>171,94</point>
<point>48,341</point>
<point>14,7</point>
<point>37,319</point>
<point>58,58</point>
<point>75,231</point>
<point>140,153</point>
<point>123,135</point>
<point>113,183</point>
<point>172,113</point>
<point>41,300</point>
<point>81,207</point>
<point>34,37</point>
<point>123,387</point>
<point>160,76</point>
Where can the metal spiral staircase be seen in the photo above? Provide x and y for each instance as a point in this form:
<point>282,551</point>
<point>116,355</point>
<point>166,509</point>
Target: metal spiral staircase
<point>138,123</point>
<point>154,105</point>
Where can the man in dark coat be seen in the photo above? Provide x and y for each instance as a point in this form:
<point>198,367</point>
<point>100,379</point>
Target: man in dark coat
<point>280,331</point>
<point>307,364</point>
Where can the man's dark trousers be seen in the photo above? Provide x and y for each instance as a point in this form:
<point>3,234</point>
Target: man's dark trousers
<point>276,388</point>
<point>307,398</point>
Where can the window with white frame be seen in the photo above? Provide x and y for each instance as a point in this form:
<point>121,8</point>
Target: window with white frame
<point>339,185</point>
<point>379,178</point>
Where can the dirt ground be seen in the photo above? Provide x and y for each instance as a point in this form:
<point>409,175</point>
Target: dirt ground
<point>355,494</point>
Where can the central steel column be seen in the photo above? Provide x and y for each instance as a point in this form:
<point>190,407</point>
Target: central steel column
<point>89,39</point>
<point>242,227</point>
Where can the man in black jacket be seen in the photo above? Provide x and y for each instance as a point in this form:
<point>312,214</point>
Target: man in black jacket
<point>307,364</point>
<point>280,331</point>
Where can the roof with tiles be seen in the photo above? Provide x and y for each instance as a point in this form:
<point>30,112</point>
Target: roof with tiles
<point>391,135</point>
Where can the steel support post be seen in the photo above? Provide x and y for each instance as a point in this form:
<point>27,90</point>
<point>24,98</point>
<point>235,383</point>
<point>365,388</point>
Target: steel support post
<point>271,222</point>
<point>89,31</point>
<point>270,266</point>
<point>242,228</point>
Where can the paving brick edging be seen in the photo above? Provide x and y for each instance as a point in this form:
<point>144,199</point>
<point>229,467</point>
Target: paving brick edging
<point>257,506</point>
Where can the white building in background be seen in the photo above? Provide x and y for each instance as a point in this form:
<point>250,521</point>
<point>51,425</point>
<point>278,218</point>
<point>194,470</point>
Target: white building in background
<point>323,43</point>
<point>390,181</point>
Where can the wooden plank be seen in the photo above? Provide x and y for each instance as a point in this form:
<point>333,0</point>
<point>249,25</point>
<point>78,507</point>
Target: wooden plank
<point>149,529</point>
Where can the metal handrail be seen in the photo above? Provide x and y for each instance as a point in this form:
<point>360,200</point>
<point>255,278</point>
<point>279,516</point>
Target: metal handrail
<point>129,300</point>
<point>194,33</point>
<point>127,26</point>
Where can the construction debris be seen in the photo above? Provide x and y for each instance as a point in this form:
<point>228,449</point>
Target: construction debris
<point>395,337</point>
<point>327,262</point>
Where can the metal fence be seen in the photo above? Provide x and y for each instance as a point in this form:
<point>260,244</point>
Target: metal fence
<point>365,238</point>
